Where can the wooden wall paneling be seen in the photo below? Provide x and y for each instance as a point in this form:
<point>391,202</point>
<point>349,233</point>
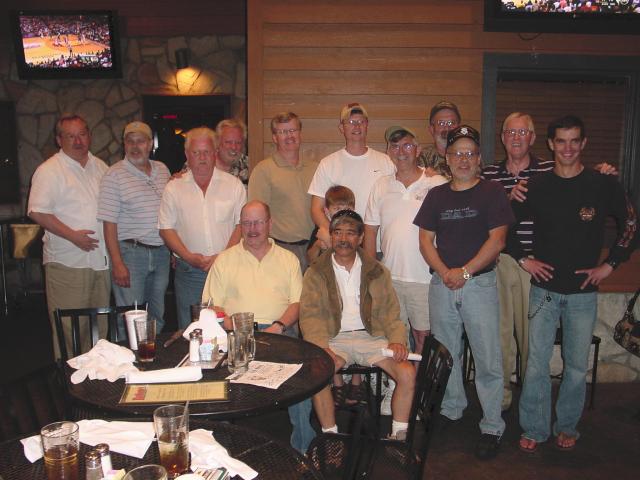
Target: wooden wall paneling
<point>255,82</point>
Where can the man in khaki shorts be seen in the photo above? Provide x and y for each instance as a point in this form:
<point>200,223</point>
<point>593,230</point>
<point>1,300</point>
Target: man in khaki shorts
<point>349,308</point>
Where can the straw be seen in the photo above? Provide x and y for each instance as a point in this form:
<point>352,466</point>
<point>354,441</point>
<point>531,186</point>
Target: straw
<point>186,413</point>
<point>209,302</point>
<point>135,304</point>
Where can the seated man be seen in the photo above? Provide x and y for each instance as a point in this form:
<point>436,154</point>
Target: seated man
<point>258,276</point>
<point>349,308</point>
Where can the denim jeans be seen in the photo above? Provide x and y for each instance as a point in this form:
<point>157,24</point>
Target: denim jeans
<point>189,283</point>
<point>474,306</point>
<point>578,312</point>
<point>149,277</point>
<point>300,413</point>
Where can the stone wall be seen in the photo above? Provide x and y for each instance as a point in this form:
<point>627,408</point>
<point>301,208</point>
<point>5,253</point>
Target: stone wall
<point>217,66</point>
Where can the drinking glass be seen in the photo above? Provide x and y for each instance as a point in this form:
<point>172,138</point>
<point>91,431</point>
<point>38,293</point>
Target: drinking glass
<point>196,308</point>
<point>172,429</point>
<point>146,335</point>
<point>130,317</point>
<point>60,447</point>
<point>147,472</point>
<point>243,328</point>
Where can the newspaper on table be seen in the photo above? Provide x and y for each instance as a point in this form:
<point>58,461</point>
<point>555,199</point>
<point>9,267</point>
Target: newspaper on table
<point>266,374</point>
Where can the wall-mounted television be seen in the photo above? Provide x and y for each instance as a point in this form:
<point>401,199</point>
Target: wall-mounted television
<point>66,44</point>
<point>563,16</point>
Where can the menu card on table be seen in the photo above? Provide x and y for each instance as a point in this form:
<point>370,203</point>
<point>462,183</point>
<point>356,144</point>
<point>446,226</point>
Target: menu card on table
<point>136,394</point>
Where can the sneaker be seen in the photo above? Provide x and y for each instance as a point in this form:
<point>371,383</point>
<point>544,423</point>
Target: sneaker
<point>487,446</point>
<point>385,406</point>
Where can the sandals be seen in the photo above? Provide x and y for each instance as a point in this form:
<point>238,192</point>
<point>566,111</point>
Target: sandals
<point>356,393</point>
<point>339,395</point>
<point>566,442</point>
<point>527,445</point>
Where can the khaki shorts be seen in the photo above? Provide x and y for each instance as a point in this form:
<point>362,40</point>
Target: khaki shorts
<point>358,347</point>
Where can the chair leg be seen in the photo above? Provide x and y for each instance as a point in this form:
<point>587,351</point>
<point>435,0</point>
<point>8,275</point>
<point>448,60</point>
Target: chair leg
<point>594,373</point>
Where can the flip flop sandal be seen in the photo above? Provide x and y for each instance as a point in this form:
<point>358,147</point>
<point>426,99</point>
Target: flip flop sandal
<point>565,442</point>
<point>356,393</point>
<point>527,445</point>
<point>339,395</point>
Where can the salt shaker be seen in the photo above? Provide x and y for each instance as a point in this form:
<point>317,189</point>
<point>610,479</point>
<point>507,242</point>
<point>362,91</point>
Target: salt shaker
<point>93,465</point>
<point>194,346</point>
<point>105,456</point>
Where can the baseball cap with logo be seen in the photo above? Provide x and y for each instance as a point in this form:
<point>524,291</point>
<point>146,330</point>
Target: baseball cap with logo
<point>350,109</point>
<point>463,131</point>
<point>138,127</point>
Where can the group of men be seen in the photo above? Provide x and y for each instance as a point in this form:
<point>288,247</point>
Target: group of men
<point>439,223</point>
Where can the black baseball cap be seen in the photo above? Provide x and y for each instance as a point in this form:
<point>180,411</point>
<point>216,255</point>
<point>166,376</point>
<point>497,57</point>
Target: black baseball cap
<point>463,131</point>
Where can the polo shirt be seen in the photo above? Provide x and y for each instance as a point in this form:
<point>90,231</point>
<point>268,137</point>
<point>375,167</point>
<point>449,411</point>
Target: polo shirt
<point>239,282</point>
<point>284,188</point>
<point>64,188</point>
<point>359,173</point>
<point>131,199</point>
<point>499,173</point>
<point>204,222</point>
<point>392,207</point>
<point>349,288</point>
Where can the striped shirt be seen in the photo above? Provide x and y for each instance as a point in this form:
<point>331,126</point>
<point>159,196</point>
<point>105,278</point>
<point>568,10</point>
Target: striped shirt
<point>498,173</point>
<point>131,199</point>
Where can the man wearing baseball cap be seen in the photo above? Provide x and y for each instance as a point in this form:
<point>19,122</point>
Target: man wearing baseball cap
<point>443,117</point>
<point>128,206</point>
<point>463,228</point>
<point>355,166</point>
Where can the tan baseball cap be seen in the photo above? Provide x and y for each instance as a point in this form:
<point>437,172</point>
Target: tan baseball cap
<point>350,109</point>
<point>138,127</point>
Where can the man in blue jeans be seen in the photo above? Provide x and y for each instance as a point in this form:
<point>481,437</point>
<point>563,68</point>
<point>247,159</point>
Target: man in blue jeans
<point>569,206</point>
<point>463,227</point>
<point>128,205</point>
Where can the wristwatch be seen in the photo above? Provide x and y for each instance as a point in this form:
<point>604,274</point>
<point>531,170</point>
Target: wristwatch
<point>465,274</point>
<point>282,325</point>
<point>521,261</point>
<point>612,263</point>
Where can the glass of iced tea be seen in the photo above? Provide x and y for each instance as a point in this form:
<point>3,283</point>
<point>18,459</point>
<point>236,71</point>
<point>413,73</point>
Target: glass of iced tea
<point>60,447</point>
<point>147,472</point>
<point>172,429</point>
<point>146,335</point>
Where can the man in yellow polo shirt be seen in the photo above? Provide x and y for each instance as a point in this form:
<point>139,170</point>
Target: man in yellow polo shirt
<point>258,276</point>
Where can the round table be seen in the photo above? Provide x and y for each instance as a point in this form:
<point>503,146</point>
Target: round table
<point>270,458</point>
<point>244,400</point>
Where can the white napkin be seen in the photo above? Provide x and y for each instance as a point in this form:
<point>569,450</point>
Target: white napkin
<point>167,375</point>
<point>414,357</point>
<point>105,361</point>
<point>206,452</point>
<point>208,322</point>
<point>32,448</point>
<point>128,438</point>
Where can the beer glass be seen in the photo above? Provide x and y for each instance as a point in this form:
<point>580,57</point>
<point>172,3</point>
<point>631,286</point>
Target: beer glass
<point>60,441</point>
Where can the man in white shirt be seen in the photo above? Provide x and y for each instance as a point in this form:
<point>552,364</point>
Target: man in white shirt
<point>393,204</point>
<point>128,206</point>
<point>356,166</point>
<point>199,217</point>
<point>64,201</point>
<point>349,308</point>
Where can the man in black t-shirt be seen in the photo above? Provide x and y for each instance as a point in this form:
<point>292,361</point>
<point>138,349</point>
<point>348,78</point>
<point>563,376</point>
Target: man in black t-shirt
<point>468,218</point>
<point>569,206</point>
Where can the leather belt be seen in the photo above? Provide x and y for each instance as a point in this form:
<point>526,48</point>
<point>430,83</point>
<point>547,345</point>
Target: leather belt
<point>299,242</point>
<point>481,272</point>
<point>137,243</point>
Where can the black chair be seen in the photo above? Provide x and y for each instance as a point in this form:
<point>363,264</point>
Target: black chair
<point>77,317</point>
<point>340,455</point>
<point>31,402</point>
<point>372,400</point>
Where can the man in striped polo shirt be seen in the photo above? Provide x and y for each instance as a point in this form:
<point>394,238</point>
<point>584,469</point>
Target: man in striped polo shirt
<point>128,205</point>
<point>518,135</point>
<point>513,173</point>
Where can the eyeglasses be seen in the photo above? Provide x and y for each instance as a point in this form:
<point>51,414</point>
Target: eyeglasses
<point>355,123</point>
<point>461,155</point>
<point>407,147</point>
<point>513,131</point>
<point>288,131</point>
<point>253,223</point>
<point>201,153</point>
<point>446,123</point>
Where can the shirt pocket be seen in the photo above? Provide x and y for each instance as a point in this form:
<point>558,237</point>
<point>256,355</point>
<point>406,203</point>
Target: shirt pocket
<point>223,210</point>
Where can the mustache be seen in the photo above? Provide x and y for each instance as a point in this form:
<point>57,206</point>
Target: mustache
<point>344,245</point>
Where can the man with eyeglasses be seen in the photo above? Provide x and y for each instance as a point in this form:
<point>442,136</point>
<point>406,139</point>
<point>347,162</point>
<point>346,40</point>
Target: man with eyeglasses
<point>569,207</point>
<point>281,181</point>
<point>463,228</point>
<point>128,206</point>
<point>349,308</point>
<point>356,167</point>
<point>232,139</point>
<point>393,204</point>
<point>64,201</point>
<point>258,276</point>
<point>199,217</point>
<point>443,117</point>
